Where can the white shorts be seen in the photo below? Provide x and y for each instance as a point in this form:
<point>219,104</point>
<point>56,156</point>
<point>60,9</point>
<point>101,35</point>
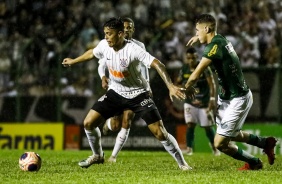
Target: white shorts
<point>196,115</point>
<point>231,114</point>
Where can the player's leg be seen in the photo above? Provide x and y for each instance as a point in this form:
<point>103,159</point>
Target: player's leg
<point>92,131</point>
<point>169,142</point>
<point>190,119</point>
<point>190,136</point>
<point>266,143</point>
<point>223,144</point>
<point>112,124</point>
<point>105,107</point>
<point>123,134</point>
<point>207,123</point>
<point>232,115</point>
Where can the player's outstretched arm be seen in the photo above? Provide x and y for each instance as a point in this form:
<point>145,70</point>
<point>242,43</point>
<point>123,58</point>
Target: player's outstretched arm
<point>84,57</point>
<point>173,90</point>
<point>193,40</point>
<point>194,77</point>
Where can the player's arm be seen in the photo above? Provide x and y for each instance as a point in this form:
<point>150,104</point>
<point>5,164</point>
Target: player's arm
<point>194,77</point>
<point>173,90</point>
<point>88,55</point>
<point>212,88</point>
<point>102,73</point>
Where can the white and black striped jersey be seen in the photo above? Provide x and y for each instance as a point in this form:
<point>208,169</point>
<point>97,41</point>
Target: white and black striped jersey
<point>125,67</point>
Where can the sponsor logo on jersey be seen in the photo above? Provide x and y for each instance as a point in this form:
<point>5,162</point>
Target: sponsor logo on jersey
<point>229,47</point>
<point>146,101</point>
<point>119,74</point>
<point>213,50</point>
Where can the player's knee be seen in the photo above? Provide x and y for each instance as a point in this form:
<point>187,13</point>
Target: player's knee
<point>87,124</point>
<point>221,146</point>
<point>115,126</point>
<point>160,133</point>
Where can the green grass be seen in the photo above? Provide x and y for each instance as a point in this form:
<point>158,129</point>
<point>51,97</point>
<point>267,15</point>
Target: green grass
<point>135,167</point>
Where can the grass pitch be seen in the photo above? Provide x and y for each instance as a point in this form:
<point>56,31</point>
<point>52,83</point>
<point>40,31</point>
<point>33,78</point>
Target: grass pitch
<point>135,167</point>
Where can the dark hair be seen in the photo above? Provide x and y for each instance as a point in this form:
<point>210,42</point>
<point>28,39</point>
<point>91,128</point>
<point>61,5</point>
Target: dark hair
<point>207,18</point>
<point>114,23</point>
<point>127,19</point>
<point>191,50</point>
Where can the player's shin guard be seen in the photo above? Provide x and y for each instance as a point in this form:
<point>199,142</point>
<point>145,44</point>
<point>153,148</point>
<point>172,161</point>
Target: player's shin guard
<point>94,138</point>
<point>120,141</point>
<point>172,147</point>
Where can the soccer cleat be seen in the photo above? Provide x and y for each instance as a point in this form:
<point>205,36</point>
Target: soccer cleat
<point>216,152</point>
<point>105,129</point>
<point>248,166</point>
<point>185,167</point>
<point>93,159</point>
<point>112,159</point>
<point>269,149</point>
<point>188,151</point>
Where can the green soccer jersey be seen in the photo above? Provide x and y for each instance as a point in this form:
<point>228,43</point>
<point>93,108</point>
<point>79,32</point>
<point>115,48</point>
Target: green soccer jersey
<point>227,65</point>
<point>202,98</point>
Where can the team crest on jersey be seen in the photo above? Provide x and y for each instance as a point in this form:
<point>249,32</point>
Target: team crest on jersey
<point>123,62</point>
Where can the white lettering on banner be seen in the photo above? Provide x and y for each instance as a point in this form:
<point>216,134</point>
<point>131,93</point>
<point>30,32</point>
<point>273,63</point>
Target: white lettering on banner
<point>132,142</point>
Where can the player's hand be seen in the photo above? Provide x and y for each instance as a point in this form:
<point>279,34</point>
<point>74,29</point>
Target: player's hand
<point>176,92</point>
<point>105,82</point>
<point>193,40</point>
<point>191,92</point>
<point>67,62</point>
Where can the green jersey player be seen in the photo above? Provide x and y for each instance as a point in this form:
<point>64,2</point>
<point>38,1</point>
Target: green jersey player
<point>234,96</point>
<point>199,109</point>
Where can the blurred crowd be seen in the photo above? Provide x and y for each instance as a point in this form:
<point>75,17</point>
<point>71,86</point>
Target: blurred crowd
<point>36,34</point>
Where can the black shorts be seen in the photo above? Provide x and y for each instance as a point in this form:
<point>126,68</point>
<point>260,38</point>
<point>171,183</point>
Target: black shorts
<point>112,104</point>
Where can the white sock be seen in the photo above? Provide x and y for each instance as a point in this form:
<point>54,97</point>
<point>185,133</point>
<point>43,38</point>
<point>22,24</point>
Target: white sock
<point>120,141</point>
<point>94,138</point>
<point>108,122</point>
<point>172,147</point>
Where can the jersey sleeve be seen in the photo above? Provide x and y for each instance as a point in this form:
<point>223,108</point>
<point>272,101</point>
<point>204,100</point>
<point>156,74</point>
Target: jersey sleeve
<point>143,56</point>
<point>212,51</point>
<point>98,50</point>
<point>102,68</point>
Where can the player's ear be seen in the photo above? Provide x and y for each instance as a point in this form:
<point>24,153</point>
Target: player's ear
<point>207,29</point>
<point>120,33</point>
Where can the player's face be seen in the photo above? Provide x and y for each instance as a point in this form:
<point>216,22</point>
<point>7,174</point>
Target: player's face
<point>201,32</point>
<point>191,59</point>
<point>113,36</point>
<point>128,30</point>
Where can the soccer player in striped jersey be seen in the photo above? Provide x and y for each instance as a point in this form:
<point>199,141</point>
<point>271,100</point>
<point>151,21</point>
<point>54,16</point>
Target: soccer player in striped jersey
<point>121,122</point>
<point>234,96</point>
<point>128,89</point>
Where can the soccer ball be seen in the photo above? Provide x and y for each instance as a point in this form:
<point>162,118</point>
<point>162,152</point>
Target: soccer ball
<point>30,161</point>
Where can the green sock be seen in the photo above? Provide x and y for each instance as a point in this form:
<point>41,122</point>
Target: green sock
<point>245,156</point>
<point>210,134</point>
<point>256,141</point>
<point>190,137</point>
